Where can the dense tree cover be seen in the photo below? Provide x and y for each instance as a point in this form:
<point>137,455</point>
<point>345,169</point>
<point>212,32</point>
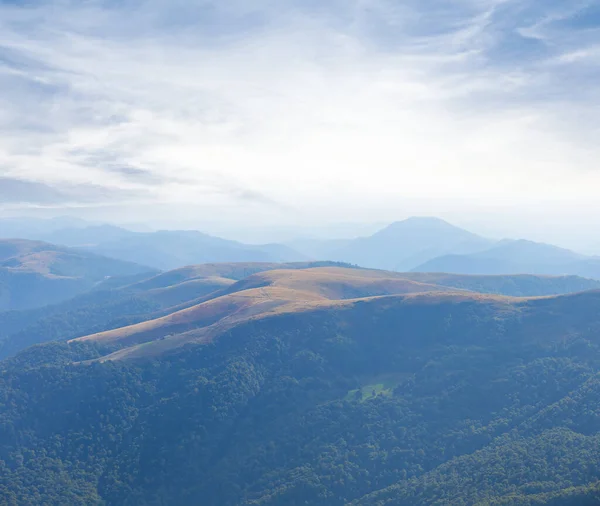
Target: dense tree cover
<point>382,402</point>
<point>89,313</point>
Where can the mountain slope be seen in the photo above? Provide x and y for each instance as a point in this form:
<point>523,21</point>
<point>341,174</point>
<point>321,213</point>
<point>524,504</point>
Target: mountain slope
<point>520,285</point>
<point>517,257</point>
<point>123,301</point>
<point>259,295</point>
<point>118,302</point>
<point>424,399</point>
<point>287,291</point>
<point>406,244</point>
<point>34,274</point>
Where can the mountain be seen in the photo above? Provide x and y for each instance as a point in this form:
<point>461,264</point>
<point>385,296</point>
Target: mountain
<point>513,257</point>
<point>34,273</point>
<point>401,246</point>
<point>118,302</point>
<point>164,250</point>
<point>427,398</point>
<point>170,249</point>
<point>520,285</point>
<point>279,291</point>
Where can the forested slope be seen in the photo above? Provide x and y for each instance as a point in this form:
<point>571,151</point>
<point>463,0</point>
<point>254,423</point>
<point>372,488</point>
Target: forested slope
<point>418,399</point>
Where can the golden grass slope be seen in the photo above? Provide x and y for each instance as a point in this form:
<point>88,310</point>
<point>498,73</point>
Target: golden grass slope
<point>290,291</point>
<point>263,294</point>
<point>336,283</point>
<point>233,271</point>
<point>143,344</point>
<point>229,308</point>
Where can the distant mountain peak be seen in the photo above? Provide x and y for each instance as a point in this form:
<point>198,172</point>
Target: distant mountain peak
<point>405,244</point>
<point>424,220</point>
<point>421,220</point>
<point>422,227</point>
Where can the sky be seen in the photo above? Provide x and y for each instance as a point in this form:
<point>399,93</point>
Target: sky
<point>304,112</point>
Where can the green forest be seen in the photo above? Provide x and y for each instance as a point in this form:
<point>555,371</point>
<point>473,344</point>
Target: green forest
<point>380,403</point>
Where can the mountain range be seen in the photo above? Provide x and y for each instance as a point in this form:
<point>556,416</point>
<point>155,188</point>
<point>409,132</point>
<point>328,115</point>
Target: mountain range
<point>416,244</point>
<point>34,273</point>
<point>404,245</point>
<point>433,245</point>
<point>163,250</point>
<point>322,384</point>
<point>510,257</point>
<point>170,249</point>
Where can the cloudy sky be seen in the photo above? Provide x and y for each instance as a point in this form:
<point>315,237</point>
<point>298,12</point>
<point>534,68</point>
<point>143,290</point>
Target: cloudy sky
<point>299,111</point>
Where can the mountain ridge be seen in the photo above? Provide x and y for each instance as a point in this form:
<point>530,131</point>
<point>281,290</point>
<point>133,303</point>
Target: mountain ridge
<point>517,257</point>
<point>35,273</point>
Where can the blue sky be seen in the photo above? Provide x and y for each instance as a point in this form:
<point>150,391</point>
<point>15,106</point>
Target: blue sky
<point>303,110</point>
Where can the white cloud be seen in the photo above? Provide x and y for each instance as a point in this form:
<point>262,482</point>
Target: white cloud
<point>353,105</point>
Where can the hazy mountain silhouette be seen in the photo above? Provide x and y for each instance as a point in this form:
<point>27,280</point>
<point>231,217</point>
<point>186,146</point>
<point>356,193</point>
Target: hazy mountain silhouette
<point>400,246</point>
<point>515,257</point>
<point>169,249</point>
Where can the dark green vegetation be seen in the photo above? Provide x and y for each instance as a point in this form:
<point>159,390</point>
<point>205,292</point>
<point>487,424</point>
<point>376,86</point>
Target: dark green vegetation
<point>417,399</point>
<point>522,285</point>
<point>34,274</point>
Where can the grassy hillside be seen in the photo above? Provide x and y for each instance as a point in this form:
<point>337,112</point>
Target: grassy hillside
<point>118,302</point>
<point>288,291</point>
<point>259,295</point>
<point>419,399</point>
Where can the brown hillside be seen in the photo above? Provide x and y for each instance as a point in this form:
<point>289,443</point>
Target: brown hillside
<point>260,295</point>
<point>337,283</point>
<point>227,309</point>
<point>233,271</point>
<point>287,292</point>
<point>551,321</point>
<point>143,342</point>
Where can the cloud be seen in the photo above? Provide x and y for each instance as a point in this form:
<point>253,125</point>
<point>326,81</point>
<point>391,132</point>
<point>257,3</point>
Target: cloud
<point>15,191</point>
<point>344,105</point>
